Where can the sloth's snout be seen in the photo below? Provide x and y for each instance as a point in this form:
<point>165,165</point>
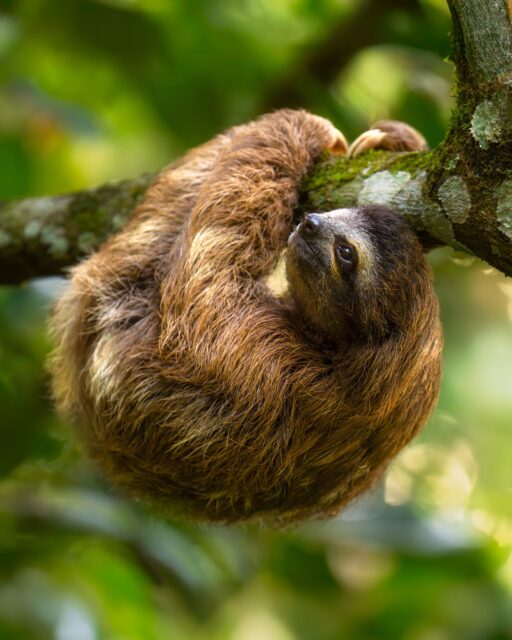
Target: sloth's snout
<point>310,226</point>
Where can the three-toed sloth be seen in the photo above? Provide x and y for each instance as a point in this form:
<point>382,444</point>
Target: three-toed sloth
<point>197,387</point>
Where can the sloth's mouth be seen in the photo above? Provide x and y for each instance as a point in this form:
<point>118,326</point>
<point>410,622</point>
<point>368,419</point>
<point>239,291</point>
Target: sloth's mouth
<point>300,244</point>
<point>303,242</point>
<point>305,255</point>
<point>305,251</point>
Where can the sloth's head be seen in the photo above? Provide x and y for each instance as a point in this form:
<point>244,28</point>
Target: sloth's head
<point>356,274</point>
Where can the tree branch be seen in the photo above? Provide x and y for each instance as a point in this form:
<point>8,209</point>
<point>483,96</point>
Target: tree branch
<point>42,236</point>
<point>460,194</point>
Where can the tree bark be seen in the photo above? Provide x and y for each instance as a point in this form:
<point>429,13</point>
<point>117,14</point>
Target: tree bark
<point>460,194</point>
<point>43,236</point>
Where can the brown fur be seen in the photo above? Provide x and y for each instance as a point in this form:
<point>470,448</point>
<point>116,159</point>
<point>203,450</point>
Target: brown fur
<point>197,387</point>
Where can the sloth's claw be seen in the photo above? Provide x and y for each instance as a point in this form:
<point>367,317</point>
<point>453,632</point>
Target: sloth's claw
<point>370,139</point>
<point>390,135</point>
<point>332,138</point>
<point>339,145</point>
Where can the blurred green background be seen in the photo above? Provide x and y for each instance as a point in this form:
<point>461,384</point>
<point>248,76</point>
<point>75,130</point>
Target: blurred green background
<point>96,90</point>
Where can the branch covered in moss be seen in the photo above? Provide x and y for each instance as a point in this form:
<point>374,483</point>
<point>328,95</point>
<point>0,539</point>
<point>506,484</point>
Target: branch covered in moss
<point>42,236</point>
<point>459,195</point>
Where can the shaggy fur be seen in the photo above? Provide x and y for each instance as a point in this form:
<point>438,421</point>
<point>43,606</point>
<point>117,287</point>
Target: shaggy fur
<point>194,385</point>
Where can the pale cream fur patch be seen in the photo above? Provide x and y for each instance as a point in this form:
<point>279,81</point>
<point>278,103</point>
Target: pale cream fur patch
<point>206,240</point>
<point>102,367</point>
<point>276,279</point>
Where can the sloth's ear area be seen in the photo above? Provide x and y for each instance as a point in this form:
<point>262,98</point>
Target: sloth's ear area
<point>389,135</point>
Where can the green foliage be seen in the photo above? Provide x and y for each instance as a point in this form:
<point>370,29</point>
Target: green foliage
<point>99,89</point>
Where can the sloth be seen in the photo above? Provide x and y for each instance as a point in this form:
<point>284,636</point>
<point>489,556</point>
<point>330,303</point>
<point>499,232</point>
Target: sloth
<point>193,385</point>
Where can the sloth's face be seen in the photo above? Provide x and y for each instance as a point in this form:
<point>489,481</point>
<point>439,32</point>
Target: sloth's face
<point>343,269</point>
<point>332,247</point>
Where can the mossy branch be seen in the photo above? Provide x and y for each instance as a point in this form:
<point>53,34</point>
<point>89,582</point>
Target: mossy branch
<point>43,236</point>
<point>459,195</point>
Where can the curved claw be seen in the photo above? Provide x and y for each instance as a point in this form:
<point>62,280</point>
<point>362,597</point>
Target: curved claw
<point>390,135</point>
<point>370,139</point>
<point>340,145</point>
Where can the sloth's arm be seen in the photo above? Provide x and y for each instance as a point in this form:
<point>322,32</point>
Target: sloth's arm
<point>161,217</point>
<point>243,214</point>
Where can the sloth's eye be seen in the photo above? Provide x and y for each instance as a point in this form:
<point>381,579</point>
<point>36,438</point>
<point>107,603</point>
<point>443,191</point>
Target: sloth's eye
<point>345,253</point>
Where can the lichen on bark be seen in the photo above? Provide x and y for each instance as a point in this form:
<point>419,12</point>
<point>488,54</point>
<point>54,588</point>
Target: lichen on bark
<point>42,236</point>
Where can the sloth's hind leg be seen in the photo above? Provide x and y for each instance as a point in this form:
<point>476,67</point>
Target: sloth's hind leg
<point>388,135</point>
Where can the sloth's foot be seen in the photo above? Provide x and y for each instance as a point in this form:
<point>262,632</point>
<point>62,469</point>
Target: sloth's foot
<point>339,146</point>
<point>336,141</point>
<point>390,135</point>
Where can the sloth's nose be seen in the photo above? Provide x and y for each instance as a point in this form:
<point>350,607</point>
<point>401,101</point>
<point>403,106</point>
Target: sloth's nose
<point>310,225</point>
